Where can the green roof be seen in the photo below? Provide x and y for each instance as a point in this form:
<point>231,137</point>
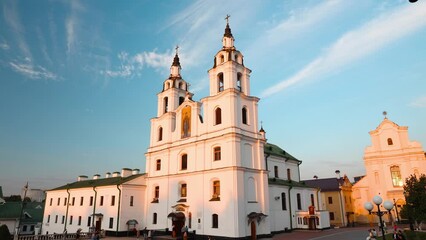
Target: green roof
<point>97,182</point>
<point>274,150</point>
<point>12,210</point>
<point>282,182</point>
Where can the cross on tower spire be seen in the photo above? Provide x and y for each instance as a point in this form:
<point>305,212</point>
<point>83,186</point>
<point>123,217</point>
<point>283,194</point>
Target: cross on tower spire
<point>227,18</point>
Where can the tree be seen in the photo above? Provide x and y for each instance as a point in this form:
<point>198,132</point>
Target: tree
<point>415,198</point>
<point>13,198</point>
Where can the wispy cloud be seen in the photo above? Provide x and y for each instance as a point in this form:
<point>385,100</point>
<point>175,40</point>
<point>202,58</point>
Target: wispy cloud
<point>131,66</point>
<point>14,22</point>
<point>419,102</point>
<point>358,43</point>
<point>34,72</point>
<point>71,25</point>
<point>4,46</point>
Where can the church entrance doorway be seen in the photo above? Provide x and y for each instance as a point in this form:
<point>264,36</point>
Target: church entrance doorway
<point>178,222</point>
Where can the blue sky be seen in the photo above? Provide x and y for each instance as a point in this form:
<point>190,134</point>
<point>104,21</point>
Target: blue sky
<point>78,79</point>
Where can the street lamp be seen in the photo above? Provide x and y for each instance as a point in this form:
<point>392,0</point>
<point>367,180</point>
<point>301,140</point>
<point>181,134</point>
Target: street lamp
<point>378,200</point>
<point>396,210</point>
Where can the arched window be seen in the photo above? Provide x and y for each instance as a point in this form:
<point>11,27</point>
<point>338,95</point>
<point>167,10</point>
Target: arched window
<point>396,176</point>
<point>312,200</point>
<point>160,134</point>
<point>218,116</point>
<point>222,58</point>
<point>183,191</point>
<point>252,190</point>
<point>244,115</point>
<point>216,153</point>
<point>184,162</point>
<point>180,85</point>
<point>181,100</point>
<point>157,192</point>
<point>288,174</point>
<point>299,202</point>
<point>275,171</point>
<point>158,165</point>
<point>390,142</point>
<point>154,218</point>
<point>239,75</point>
<point>215,221</point>
<point>166,104</point>
<point>283,201</point>
<point>216,189</point>
<point>220,82</point>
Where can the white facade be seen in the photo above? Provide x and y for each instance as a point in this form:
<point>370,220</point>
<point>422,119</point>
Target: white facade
<point>105,204</point>
<point>390,159</point>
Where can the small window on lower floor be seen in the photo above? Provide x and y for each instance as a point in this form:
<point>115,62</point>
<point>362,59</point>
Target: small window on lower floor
<point>154,218</point>
<point>331,215</point>
<point>215,221</point>
<point>111,222</point>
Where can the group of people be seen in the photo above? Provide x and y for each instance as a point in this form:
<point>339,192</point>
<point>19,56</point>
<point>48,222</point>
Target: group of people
<point>397,234</point>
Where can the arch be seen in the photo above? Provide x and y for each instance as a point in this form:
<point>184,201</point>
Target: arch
<point>215,220</point>
<point>251,190</point>
<point>156,193</point>
<point>218,116</point>
<point>239,78</point>
<point>158,164</point>
<point>396,176</point>
<point>220,84</point>
<point>215,183</point>
<point>184,161</point>
<point>222,58</point>
<point>165,104</point>
<point>283,201</point>
<point>180,85</point>
<point>244,115</point>
<point>390,142</point>
<point>181,100</point>
<point>160,134</point>
<point>299,201</point>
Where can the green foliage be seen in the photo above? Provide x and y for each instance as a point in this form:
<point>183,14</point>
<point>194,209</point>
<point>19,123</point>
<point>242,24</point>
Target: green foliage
<point>4,232</point>
<point>411,235</point>
<point>415,196</point>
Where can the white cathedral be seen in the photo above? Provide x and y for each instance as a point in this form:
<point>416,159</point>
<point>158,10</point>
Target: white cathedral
<point>208,167</point>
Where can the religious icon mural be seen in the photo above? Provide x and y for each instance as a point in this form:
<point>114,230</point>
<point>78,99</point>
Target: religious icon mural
<point>186,122</point>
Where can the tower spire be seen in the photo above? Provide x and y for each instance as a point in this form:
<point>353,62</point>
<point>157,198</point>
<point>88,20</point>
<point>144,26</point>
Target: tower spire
<point>176,59</point>
<point>228,32</point>
<point>175,68</point>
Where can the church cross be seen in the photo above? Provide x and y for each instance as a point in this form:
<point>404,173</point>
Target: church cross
<point>227,18</point>
<point>385,114</point>
<point>177,48</point>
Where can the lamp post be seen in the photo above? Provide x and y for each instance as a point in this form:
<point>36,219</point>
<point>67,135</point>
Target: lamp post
<point>396,210</point>
<point>377,201</point>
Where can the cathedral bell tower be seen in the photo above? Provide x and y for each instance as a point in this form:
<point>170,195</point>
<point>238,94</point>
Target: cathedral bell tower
<point>175,89</point>
<point>228,69</point>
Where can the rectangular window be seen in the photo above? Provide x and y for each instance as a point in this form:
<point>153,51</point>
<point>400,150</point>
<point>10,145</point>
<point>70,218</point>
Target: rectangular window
<point>215,221</point>
<point>59,201</point>
<point>70,220</point>
<point>48,218</point>
<point>101,202</point>
<point>51,200</point>
<point>32,228</point>
<point>275,171</point>
<point>89,219</point>
<point>111,222</point>
<point>112,200</point>
<point>184,162</point>
<point>73,201</point>
<point>158,167</point>
<point>312,200</point>
<point>330,200</point>
<point>79,220</point>
<point>288,174</point>
<point>183,190</point>
<point>216,189</point>
<point>299,202</point>
<point>91,201</point>
<point>154,218</point>
<point>331,216</point>
<point>283,201</point>
<point>131,201</point>
<point>157,192</point>
<point>81,201</point>
<point>56,219</point>
<point>65,201</point>
<point>63,219</point>
<point>217,153</point>
<point>24,228</point>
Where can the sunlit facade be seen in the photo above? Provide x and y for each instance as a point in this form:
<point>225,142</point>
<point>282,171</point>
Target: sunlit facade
<point>390,159</point>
